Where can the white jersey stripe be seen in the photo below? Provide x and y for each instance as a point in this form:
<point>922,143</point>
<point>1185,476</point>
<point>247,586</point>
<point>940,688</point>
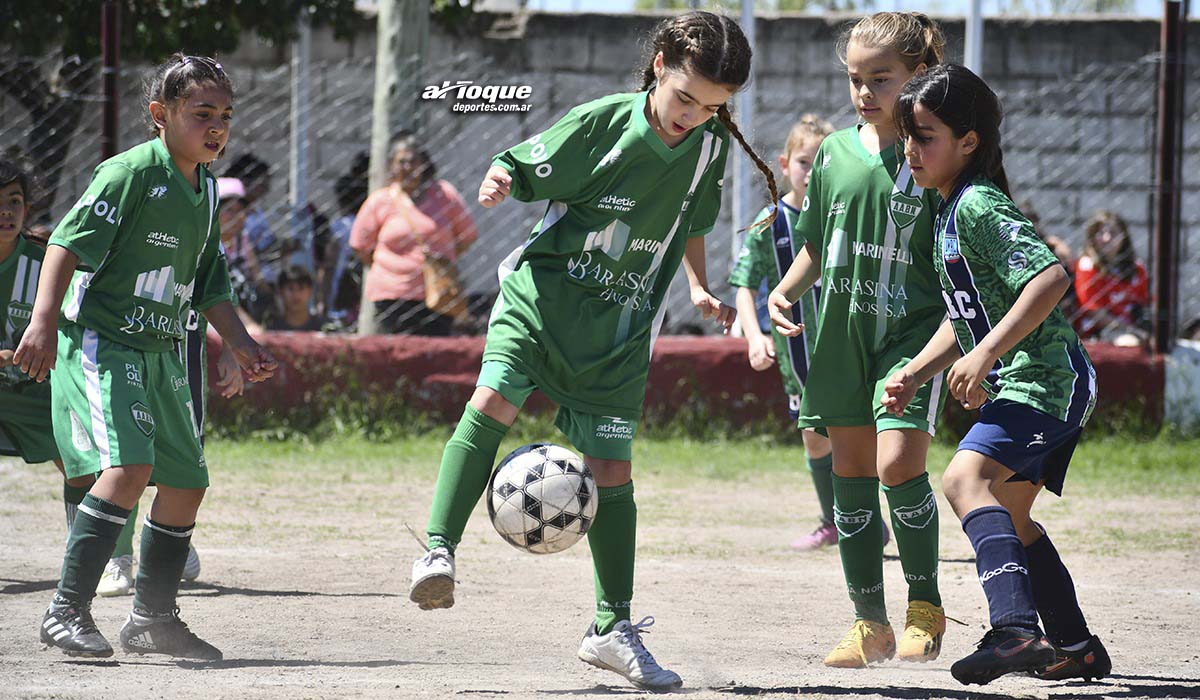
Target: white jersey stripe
<point>91,374</point>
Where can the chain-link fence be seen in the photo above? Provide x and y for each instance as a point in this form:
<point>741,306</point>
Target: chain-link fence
<point>1075,145</point>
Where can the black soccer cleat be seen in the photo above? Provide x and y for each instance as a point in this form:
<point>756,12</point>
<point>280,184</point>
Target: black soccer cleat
<point>165,634</point>
<point>73,630</point>
<point>1089,663</point>
<point>1001,651</point>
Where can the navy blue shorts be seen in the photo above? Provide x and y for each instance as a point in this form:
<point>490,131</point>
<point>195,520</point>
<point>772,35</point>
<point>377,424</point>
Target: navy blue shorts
<point>1035,445</point>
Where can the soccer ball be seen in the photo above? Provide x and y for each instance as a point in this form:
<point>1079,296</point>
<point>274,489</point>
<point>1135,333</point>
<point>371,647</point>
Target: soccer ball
<point>542,498</point>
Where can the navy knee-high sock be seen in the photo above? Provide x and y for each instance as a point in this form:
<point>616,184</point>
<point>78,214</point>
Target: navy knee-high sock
<point>1003,569</point>
<point>1054,593</point>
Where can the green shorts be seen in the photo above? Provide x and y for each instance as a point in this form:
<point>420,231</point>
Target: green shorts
<point>25,425</point>
<point>602,437</point>
<point>114,405</point>
<point>846,391</point>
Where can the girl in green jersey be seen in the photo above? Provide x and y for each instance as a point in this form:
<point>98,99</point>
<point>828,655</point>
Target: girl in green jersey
<point>869,229</point>
<point>634,183</point>
<point>138,249</point>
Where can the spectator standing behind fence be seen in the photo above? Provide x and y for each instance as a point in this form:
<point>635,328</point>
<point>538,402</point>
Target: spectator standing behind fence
<point>416,222</point>
<point>296,294</point>
<point>256,178</point>
<point>1111,283</point>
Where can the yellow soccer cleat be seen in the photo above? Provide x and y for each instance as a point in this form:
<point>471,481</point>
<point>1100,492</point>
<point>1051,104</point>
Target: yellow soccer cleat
<point>923,630</point>
<point>866,643</point>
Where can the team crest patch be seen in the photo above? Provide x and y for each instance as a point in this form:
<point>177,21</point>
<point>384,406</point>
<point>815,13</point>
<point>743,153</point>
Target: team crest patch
<point>851,523</point>
<point>19,313</point>
<point>904,209</point>
<point>1010,230</point>
<point>143,417</point>
<point>950,252</point>
<point>919,516</point>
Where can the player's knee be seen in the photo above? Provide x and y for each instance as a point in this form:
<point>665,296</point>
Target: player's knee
<point>955,483</point>
<point>610,472</point>
<point>492,404</point>
<point>82,482</point>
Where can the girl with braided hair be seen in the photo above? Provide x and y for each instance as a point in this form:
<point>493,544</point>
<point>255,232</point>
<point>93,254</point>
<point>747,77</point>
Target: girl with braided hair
<point>633,183</point>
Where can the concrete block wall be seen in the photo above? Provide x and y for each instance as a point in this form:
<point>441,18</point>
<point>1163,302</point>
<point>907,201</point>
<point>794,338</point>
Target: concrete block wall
<point>1079,96</point>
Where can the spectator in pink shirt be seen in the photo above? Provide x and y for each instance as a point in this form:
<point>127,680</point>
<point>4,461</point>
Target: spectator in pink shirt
<point>415,217</point>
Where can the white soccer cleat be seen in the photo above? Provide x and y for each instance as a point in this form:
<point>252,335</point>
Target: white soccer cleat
<point>622,651</point>
<point>117,578</point>
<point>433,580</point>
<point>191,570</point>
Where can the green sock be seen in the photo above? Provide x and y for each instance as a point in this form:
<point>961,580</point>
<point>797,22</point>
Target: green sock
<point>822,476</point>
<point>72,497</point>
<point>89,547</point>
<point>915,522</point>
<point>125,540</point>
<point>164,554</point>
<point>860,542</point>
<point>613,541</point>
<point>466,467</point>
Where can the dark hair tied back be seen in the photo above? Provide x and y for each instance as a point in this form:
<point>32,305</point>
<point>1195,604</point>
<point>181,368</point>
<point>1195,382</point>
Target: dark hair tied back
<point>965,103</point>
<point>179,75</point>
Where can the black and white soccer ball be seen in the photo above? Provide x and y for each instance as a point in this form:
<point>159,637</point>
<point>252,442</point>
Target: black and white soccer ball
<point>542,498</point>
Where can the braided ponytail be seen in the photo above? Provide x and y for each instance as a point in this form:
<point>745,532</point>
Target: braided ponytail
<point>727,119</point>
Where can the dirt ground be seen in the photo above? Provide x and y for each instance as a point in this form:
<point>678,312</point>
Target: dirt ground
<point>305,577</point>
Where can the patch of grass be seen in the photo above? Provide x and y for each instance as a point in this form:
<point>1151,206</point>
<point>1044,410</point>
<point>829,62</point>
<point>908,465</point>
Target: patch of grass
<point>1109,465</point>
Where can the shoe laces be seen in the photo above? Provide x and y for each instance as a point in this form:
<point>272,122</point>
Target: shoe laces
<point>83,620</point>
<point>990,639</point>
<point>858,631</point>
<point>632,636</point>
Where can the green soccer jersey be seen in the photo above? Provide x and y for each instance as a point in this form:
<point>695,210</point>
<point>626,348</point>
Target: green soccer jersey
<point>766,255</point>
<point>148,247</point>
<point>987,251</point>
<point>581,299</point>
<point>873,228</point>
<point>18,284</point>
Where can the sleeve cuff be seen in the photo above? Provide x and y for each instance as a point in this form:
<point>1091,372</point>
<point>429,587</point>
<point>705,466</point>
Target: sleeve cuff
<point>87,260</point>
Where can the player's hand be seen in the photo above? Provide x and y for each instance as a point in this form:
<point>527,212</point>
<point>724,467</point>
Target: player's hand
<point>6,358</point>
<point>712,307</point>
<point>762,352</point>
<point>255,361</point>
<point>495,187</point>
<point>230,381</point>
<point>899,391</point>
<point>37,350</point>
<point>781,314</point>
<point>966,376</point>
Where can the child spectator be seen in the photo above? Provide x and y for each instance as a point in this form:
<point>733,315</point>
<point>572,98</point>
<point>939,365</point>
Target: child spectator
<point>1111,283</point>
<point>296,292</point>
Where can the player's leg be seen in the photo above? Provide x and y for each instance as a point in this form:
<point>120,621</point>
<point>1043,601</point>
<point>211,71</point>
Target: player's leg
<point>901,463</point>
<point>118,573</point>
<point>860,544</point>
<point>819,456</point>
<point>1015,642</point>
<point>1078,652</point>
<point>181,477</point>
<point>613,642</point>
<point>99,426</point>
<point>102,515</point>
<point>467,462</point>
